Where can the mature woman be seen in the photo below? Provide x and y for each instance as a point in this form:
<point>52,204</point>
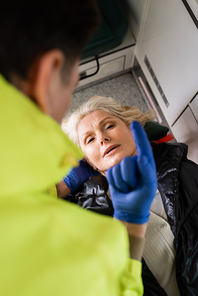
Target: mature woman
<point>101,128</point>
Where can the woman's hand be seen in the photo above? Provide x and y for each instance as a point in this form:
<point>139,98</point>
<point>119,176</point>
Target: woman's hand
<point>133,181</point>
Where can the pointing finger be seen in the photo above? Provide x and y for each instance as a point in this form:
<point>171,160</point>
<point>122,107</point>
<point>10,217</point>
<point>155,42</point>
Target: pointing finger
<point>141,140</point>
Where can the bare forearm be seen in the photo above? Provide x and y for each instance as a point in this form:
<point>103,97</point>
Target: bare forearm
<point>62,189</point>
<point>136,233</point>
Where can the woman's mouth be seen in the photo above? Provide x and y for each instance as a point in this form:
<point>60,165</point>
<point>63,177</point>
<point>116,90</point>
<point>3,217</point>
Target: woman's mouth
<point>110,150</point>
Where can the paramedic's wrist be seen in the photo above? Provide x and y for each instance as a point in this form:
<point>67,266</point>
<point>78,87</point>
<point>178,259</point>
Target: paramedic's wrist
<point>136,234</point>
<point>62,189</point>
<point>138,230</point>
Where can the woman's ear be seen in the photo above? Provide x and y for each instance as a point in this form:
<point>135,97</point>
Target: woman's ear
<point>46,78</point>
<point>91,164</point>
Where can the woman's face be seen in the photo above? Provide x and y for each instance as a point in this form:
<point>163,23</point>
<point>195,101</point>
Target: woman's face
<point>105,139</point>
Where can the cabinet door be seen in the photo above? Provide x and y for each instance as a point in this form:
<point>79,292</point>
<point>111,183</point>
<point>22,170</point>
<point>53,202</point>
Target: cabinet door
<point>185,130</point>
<point>194,107</point>
<point>167,52</point>
<point>109,65</point>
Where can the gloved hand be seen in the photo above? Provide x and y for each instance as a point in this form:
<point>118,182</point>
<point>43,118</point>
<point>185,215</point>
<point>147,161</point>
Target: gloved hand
<point>133,181</point>
<point>78,175</point>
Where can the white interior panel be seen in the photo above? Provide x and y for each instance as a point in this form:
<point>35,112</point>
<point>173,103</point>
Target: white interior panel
<point>186,130</point>
<point>170,42</point>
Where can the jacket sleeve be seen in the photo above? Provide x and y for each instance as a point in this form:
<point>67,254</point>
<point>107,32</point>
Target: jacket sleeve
<point>92,196</point>
<point>131,280</point>
<point>131,283</point>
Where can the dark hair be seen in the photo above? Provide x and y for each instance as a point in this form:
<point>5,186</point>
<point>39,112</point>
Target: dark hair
<point>29,28</point>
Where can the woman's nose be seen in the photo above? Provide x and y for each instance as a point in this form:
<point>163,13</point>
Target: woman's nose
<point>103,139</point>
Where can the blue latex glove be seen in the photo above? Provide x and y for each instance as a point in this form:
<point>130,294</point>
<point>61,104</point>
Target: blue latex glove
<point>78,175</point>
<point>133,181</point>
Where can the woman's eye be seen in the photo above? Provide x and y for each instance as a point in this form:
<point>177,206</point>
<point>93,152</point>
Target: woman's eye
<point>90,140</point>
<point>110,126</point>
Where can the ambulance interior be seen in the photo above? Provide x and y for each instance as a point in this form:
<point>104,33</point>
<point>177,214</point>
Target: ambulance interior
<point>156,41</point>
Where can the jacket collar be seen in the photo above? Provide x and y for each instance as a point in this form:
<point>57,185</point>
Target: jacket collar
<point>34,152</point>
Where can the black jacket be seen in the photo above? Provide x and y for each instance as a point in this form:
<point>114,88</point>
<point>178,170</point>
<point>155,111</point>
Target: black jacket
<point>178,185</point>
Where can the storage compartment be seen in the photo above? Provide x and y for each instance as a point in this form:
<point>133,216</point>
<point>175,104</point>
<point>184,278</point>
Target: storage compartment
<point>110,64</point>
<point>112,29</point>
<point>167,52</point>
<point>185,130</point>
<point>194,107</point>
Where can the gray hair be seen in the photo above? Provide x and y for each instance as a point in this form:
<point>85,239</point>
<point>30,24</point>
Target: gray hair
<point>126,113</point>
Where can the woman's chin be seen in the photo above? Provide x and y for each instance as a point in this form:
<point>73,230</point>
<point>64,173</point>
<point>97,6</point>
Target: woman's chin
<point>112,162</point>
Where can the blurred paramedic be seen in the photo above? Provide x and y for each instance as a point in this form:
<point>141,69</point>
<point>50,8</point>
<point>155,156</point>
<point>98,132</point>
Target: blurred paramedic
<point>50,247</point>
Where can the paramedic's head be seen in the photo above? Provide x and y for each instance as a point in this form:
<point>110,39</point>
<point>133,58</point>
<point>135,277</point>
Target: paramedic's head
<point>40,47</point>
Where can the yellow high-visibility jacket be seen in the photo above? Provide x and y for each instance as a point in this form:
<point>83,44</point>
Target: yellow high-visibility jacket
<point>49,246</point>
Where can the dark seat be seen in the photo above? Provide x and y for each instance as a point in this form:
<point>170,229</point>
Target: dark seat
<point>157,132</point>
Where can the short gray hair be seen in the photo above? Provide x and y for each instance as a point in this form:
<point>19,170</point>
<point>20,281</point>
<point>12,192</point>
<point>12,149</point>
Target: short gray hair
<point>126,113</point>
